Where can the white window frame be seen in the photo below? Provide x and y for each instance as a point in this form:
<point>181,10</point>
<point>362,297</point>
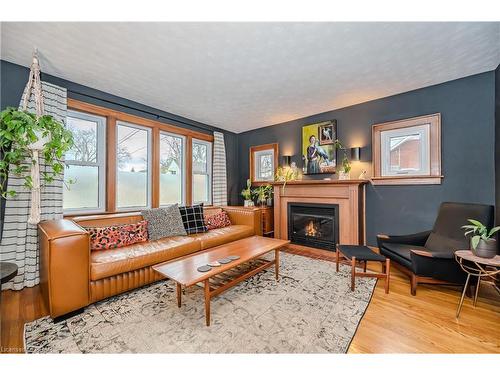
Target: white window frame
<point>100,163</point>
<point>209,171</point>
<point>149,164</point>
<point>385,144</point>
<point>257,156</point>
<point>183,167</point>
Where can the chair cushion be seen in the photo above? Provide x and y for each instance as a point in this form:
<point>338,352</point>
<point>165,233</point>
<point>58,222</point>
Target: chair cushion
<point>220,236</point>
<point>444,244</point>
<point>107,263</point>
<point>400,252</point>
<point>360,252</point>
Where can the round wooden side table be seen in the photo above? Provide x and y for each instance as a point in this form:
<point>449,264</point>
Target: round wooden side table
<point>478,267</point>
<point>7,271</point>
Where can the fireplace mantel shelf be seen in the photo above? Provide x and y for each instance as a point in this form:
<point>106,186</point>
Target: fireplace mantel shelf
<point>323,182</point>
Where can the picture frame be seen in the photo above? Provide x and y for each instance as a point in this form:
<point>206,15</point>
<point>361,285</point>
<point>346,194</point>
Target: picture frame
<point>318,147</point>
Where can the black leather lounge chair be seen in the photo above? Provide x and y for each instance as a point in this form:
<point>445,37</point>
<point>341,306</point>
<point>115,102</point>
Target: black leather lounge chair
<point>428,257</point>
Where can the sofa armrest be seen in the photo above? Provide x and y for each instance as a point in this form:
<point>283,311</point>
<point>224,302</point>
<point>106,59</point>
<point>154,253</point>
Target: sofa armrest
<point>417,239</point>
<point>64,265</point>
<point>435,255</point>
<point>250,216</point>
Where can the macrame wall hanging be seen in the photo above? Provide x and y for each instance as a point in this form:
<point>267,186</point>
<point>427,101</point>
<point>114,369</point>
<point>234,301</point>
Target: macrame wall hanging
<point>34,87</point>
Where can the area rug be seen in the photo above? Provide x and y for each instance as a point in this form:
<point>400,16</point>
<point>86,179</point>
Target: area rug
<point>310,310</point>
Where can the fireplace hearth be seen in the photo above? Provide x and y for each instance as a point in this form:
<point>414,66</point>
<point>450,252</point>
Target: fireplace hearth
<point>313,224</point>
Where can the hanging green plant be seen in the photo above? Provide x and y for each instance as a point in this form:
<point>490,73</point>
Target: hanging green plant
<point>21,129</point>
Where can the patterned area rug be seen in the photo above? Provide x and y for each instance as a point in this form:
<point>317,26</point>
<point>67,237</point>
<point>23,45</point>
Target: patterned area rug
<point>310,310</point>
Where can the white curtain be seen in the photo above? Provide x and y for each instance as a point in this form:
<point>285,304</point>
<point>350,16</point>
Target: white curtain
<point>20,239</point>
<point>219,176</point>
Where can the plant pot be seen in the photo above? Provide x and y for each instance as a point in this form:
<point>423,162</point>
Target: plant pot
<point>270,202</point>
<point>486,249</point>
<point>248,203</point>
<point>344,175</point>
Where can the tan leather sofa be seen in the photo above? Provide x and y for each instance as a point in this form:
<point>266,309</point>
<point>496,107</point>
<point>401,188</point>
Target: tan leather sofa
<point>72,276</point>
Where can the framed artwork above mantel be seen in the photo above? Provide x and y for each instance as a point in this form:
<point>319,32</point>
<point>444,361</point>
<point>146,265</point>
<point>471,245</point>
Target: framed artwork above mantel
<point>407,152</point>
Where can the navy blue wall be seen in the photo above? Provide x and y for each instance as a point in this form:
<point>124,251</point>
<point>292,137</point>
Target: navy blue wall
<point>468,135</point>
<point>13,78</point>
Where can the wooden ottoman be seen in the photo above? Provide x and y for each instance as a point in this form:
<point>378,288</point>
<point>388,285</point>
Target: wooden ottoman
<point>364,254</point>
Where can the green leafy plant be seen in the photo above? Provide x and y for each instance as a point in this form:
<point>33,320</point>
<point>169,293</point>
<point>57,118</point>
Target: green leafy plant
<point>262,193</point>
<point>346,164</point>
<point>18,130</point>
<point>479,231</point>
<point>247,192</point>
<point>284,174</point>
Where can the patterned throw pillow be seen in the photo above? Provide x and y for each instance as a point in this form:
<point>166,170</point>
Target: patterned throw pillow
<point>116,236</point>
<point>219,220</point>
<point>192,217</point>
<point>164,222</point>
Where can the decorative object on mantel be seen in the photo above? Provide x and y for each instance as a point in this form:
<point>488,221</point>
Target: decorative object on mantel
<point>247,195</point>
<point>345,172</point>
<point>319,145</point>
<point>482,242</point>
<point>362,175</point>
<point>284,175</point>
<point>407,152</point>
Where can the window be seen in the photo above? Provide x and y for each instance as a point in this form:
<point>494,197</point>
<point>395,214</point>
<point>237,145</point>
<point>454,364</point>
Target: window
<point>263,163</point>
<point>202,171</point>
<point>172,167</point>
<point>133,164</point>
<point>85,164</point>
<point>407,151</point>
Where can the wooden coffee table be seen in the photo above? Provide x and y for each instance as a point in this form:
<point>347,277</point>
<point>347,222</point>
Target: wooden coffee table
<point>184,270</point>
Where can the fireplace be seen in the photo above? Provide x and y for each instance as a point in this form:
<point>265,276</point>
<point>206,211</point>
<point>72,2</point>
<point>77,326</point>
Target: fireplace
<point>313,224</point>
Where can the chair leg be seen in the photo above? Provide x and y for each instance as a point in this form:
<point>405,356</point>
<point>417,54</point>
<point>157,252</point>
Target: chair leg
<point>337,259</point>
<point>353,273</point>
<point>387,272</point>
<point>414,284</point>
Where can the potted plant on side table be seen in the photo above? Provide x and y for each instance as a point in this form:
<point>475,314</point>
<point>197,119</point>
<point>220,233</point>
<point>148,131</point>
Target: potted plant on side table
<point>482,242</point>
<point>247,195</point>
<point>262,193</point>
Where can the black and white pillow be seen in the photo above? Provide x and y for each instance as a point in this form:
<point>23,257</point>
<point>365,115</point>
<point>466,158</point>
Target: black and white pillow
<point>164,222</point>
<point>192,218</point>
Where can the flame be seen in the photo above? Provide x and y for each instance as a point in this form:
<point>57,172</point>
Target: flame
<point>311,229</point>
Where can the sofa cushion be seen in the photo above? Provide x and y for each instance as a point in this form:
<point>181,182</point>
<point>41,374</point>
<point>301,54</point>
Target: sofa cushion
<point>116,236</point>
<point>400,252</point>
<point>164,222</point>
<point>193,219</point>
<point>220,236</point>
<point>113,262</point>
<point>219,220</point>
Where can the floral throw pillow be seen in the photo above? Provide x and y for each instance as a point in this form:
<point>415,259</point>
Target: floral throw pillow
<point>116,236</point>
<point>219,220</point>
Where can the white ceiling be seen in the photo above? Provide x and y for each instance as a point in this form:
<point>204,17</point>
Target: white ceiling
<point>241,76</point>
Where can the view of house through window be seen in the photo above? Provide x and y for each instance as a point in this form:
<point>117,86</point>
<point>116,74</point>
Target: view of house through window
<point>202,171</point>
<point>171,169</point>
<point>85,163</point>
<point>132,162</point>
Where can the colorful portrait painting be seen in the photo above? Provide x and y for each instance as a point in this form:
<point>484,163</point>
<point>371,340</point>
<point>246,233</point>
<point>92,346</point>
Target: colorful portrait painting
<point>318,147</point>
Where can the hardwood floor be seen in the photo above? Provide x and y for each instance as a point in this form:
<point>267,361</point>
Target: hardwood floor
<point>393,323</point>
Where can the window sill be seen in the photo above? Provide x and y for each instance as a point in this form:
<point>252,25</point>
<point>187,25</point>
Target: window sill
<point>407,180</point>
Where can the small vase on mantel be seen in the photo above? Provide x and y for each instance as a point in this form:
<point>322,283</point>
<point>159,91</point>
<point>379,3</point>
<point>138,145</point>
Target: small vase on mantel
<point>344,175</point>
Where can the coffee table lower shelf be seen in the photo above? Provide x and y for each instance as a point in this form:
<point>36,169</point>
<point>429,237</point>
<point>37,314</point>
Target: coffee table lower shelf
<point>219,283</point>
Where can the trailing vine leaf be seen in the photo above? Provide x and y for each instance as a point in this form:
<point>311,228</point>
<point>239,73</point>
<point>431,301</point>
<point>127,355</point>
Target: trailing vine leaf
<point>19,129</point>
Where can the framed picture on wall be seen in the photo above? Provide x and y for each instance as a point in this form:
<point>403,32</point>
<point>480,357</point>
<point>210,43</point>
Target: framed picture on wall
<point>318,147</point>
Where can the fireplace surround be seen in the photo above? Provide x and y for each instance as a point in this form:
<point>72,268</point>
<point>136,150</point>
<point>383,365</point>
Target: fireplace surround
<point>313,224</point>
<point>349,195</point>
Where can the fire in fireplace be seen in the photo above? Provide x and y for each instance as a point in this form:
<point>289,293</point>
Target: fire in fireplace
<point>313,224</point>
